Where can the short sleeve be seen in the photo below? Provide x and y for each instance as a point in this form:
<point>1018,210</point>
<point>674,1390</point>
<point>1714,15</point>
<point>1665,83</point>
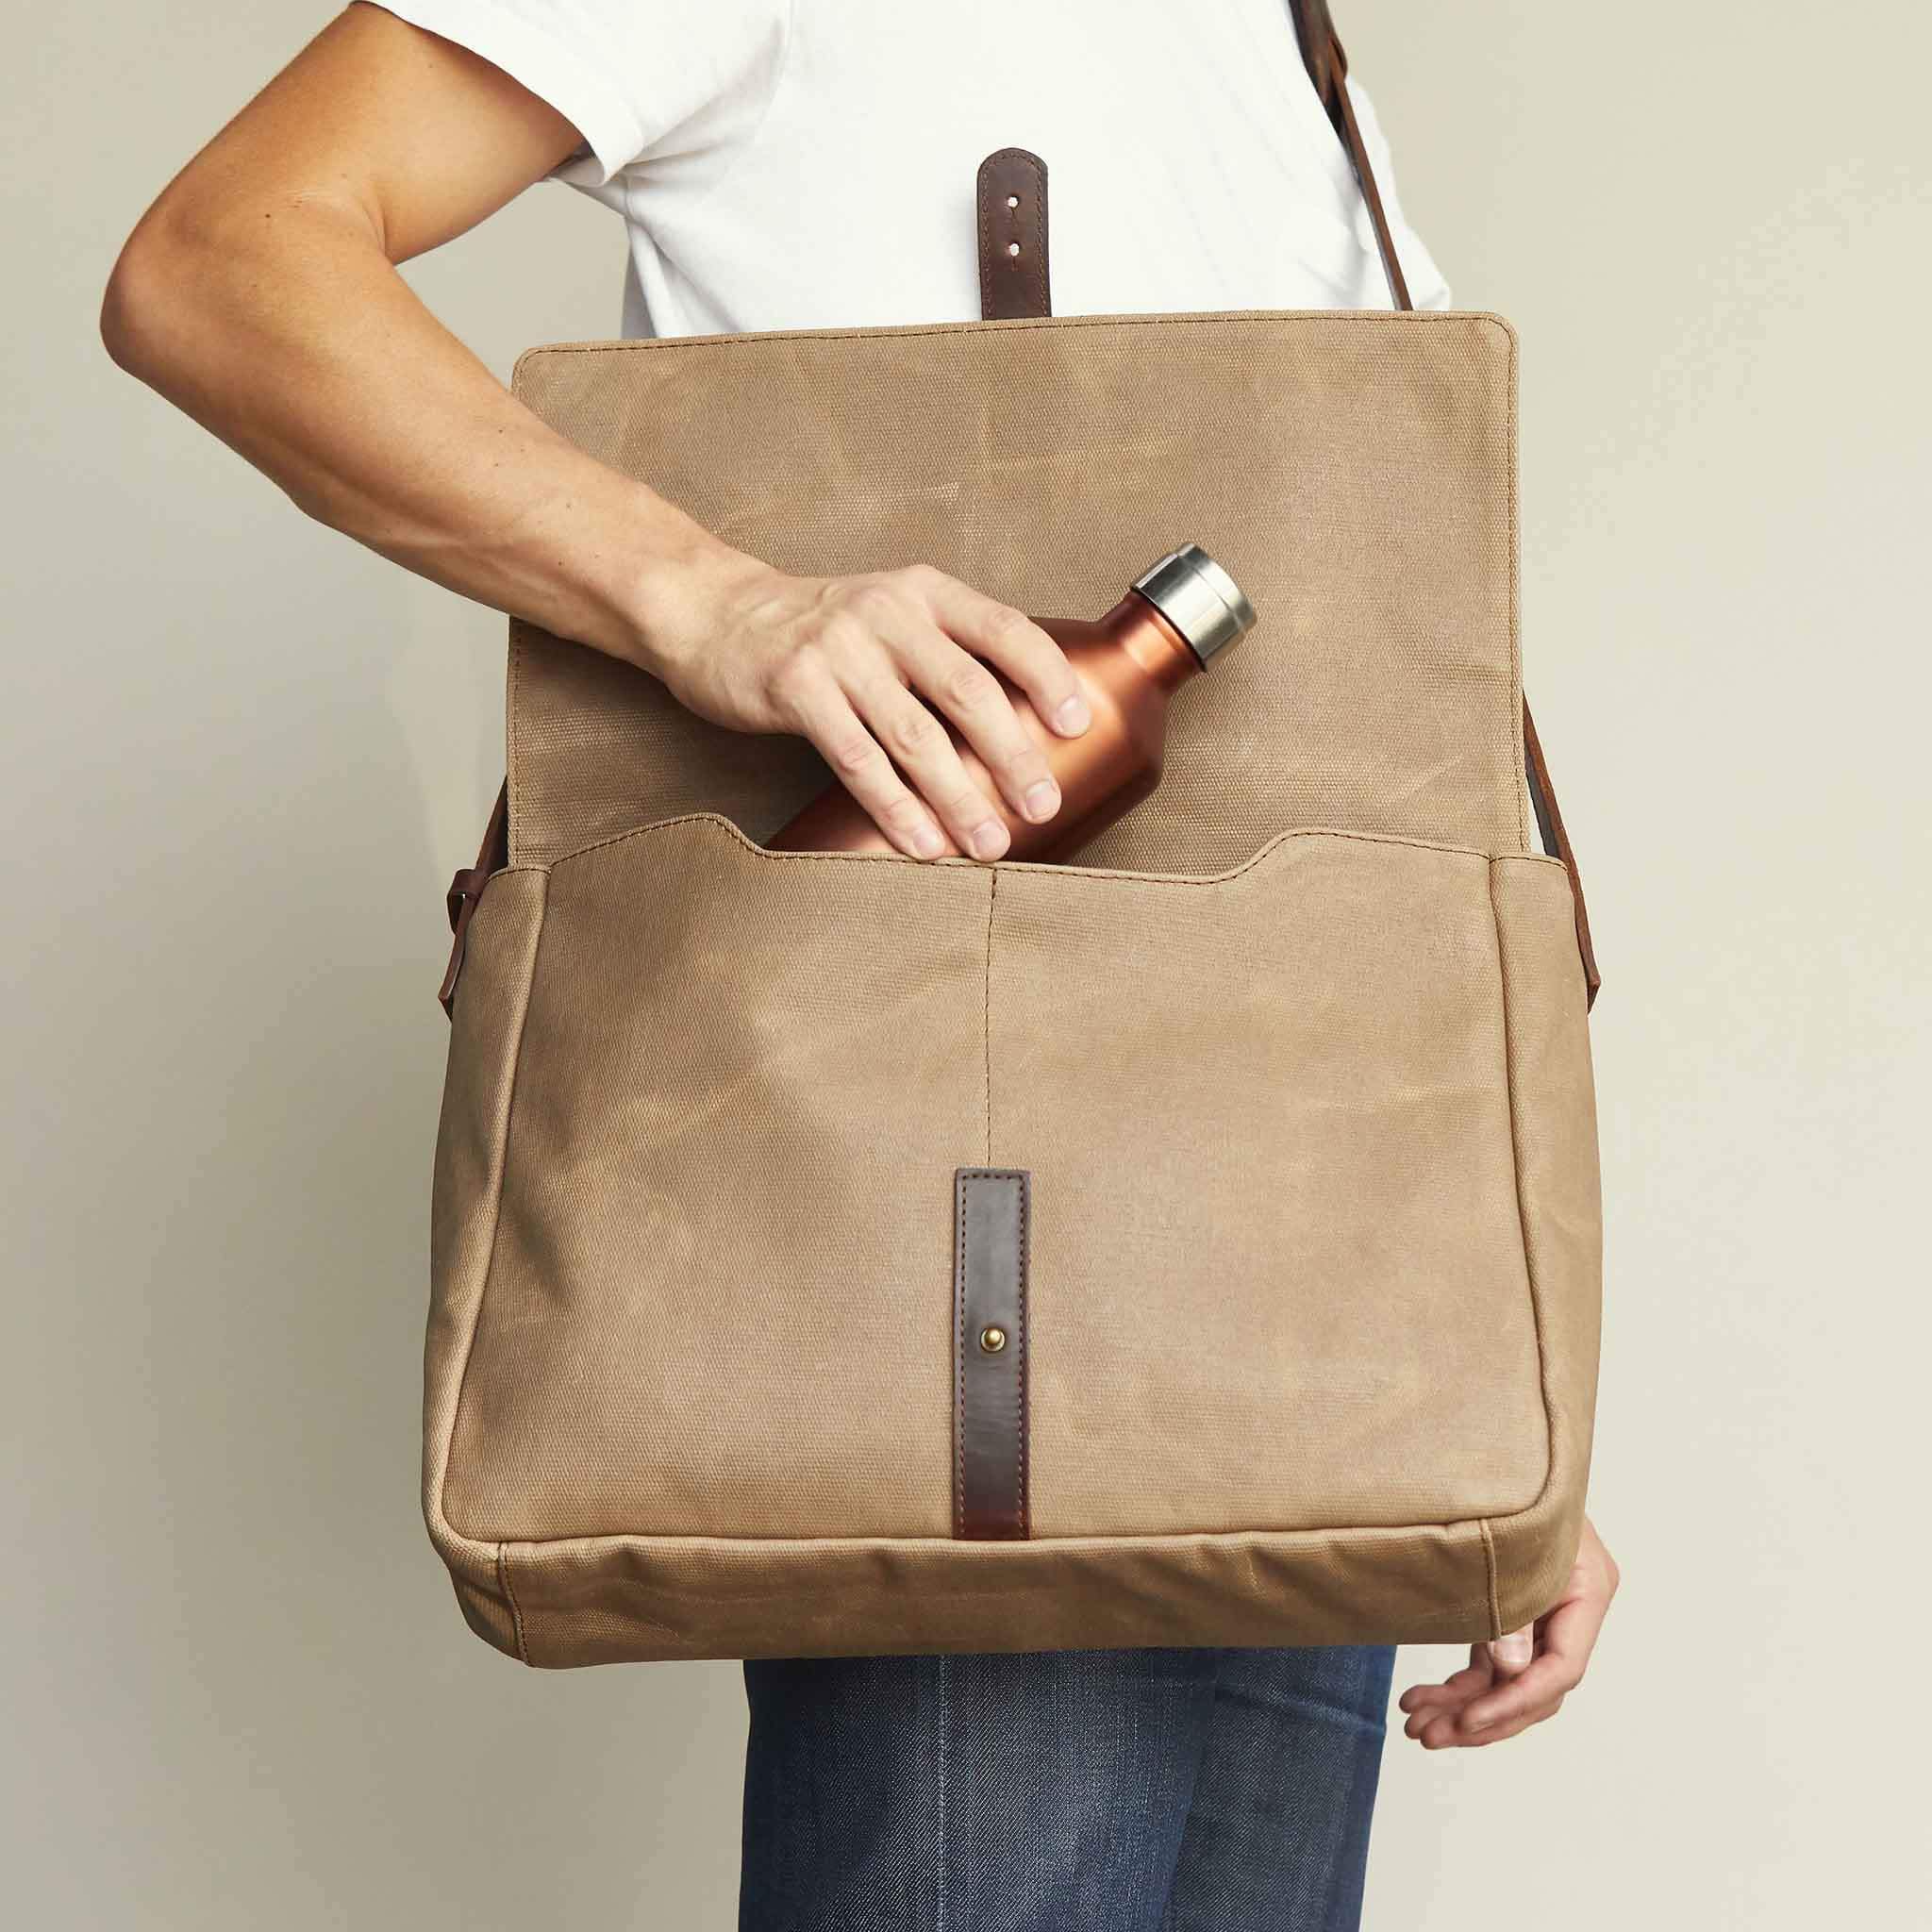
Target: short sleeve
<point>637,79</point>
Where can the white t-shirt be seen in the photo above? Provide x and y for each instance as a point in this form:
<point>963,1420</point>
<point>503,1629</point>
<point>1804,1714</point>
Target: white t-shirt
<point>806,164</point>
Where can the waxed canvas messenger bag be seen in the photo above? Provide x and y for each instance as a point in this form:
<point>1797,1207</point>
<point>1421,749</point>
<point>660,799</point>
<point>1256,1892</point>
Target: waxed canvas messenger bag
<point>1194,1243</point>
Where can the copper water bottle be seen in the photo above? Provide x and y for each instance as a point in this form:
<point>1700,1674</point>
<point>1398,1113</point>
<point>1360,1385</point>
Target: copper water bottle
<point>1175,621</point>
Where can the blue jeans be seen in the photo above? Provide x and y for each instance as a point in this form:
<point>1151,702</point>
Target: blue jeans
<point>1092,1791</point>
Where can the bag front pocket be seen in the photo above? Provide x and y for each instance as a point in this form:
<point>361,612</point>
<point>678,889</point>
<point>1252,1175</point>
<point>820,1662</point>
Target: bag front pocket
<point>1277,1272</point>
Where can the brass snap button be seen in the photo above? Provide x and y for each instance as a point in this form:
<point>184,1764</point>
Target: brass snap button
<point>993,1337</point>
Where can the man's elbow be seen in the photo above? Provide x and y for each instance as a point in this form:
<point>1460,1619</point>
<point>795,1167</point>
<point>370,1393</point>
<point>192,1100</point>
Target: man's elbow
<point>175,286</point>
<point>141,308</point>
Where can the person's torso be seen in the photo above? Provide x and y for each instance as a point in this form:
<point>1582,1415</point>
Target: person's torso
<point>1191,167</point>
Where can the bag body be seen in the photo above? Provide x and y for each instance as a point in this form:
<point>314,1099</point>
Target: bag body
<point>1195,1244</point>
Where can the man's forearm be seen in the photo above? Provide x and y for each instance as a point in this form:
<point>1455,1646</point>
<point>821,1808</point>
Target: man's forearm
<point>296,341</point>
<point>260,294</point>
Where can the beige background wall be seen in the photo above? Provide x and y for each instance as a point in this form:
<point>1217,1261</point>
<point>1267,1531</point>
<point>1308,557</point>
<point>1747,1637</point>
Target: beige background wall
<point>241,758</point>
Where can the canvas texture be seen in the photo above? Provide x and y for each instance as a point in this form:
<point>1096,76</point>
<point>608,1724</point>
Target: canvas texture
<point>1295,1056</point>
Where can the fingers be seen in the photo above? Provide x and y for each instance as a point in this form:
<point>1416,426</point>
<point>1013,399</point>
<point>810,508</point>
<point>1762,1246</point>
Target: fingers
<point>868,666</point>
<point>1485,1705</point>
<point>1527,1699</point>
<point>919,746</point>
<point>976,700</point>
<point>1471,1681</point>
<point>1568,1635</point>
<point>1011,640</point>
<point>823,713</point>
<point>1455,1733</point>
<point>1503,1693</point>
<point>1424,1704</point>
<point>951,658</point>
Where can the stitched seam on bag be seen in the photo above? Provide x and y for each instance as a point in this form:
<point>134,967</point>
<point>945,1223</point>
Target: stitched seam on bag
<point>959,1357</point>
<point>1513,728</point>
<point>1024,1341</point>
<point>1332,318</point>
<point>510,708</point>
<point>991,1551</point>
<point>510,1596</point>
<point>1490,1573</point>
<point>986,267</point>
<point>992,893</point>
<point>1042,248</point>
<point>516,1069</point>
<point>1064,872</point>
<point>938,1545</point>
<point>1545,859</point>
<point>1536,1305</point>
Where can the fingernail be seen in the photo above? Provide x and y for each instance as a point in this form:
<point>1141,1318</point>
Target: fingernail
<point>1043,800</point>
<point>988,840</point>
<point>1513,1649</point>
<point>1073,715</point>
<point>1475,1724</point>
<point>926,842</point>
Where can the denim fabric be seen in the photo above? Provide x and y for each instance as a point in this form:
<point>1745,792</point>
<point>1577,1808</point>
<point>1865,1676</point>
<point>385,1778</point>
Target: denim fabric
<point>1097,1791</point>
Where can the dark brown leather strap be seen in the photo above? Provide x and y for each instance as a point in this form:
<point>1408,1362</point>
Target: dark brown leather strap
<point>466,890</point>
<point>991,1207</point>
<point>1012,236</point>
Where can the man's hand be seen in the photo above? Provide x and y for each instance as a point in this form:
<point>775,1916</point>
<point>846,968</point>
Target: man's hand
<point>860,665</point>
<point>1522,1678</point>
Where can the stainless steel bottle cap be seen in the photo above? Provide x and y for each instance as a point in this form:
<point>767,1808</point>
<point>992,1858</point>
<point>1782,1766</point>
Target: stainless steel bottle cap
<point>1198,598</point>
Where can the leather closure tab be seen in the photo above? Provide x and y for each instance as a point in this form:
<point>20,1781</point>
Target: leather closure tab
<point>991,1211</point>
<point>1013,278</point>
